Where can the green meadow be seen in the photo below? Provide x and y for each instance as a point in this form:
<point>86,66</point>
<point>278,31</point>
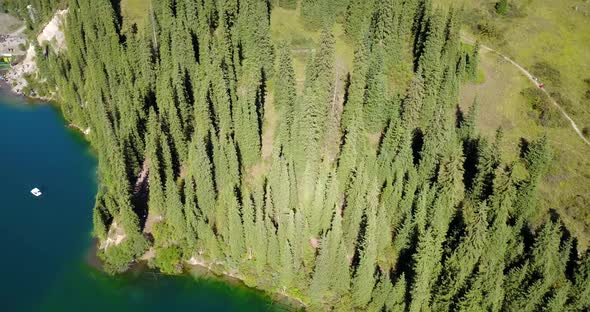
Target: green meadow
<point>551,39</point>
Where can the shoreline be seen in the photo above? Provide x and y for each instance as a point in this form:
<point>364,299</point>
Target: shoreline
<point>202,271</point>
<point>199,271</point>
<point>6,90</point>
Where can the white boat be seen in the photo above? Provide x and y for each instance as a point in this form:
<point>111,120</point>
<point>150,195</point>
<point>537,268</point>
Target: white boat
<point>36,192</point>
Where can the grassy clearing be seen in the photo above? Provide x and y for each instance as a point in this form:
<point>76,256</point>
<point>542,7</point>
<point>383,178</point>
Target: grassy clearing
<point>134,12</point>
<point>286,26</point>
<point>550,38</point>
<point>502,104</point>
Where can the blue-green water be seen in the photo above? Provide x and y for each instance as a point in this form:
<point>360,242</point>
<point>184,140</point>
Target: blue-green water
<point>45,241</point>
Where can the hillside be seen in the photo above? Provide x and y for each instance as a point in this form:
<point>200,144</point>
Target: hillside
<point>323,150</point>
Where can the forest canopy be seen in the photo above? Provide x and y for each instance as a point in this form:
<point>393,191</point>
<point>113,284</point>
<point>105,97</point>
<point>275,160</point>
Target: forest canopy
<point>367,192</point>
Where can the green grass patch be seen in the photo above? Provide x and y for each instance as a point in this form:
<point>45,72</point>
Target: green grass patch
<point>549,38</point>
<point>135,12</point>
<point>481,77</point>
<point>287,26</point>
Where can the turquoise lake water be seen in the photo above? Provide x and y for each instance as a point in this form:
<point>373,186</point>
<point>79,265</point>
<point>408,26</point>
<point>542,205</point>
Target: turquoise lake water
<point>46,241</point>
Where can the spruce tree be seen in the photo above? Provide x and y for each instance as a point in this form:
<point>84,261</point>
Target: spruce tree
<point>285,96</point>
<point>364,279</point>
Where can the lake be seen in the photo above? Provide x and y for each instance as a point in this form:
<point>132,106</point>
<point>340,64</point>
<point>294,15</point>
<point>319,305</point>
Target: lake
<point>46,240</point>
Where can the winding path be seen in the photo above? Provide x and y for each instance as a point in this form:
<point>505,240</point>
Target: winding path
<point>532,79</point>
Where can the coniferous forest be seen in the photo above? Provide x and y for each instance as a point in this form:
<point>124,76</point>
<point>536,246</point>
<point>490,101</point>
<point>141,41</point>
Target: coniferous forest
<point>383,197</point>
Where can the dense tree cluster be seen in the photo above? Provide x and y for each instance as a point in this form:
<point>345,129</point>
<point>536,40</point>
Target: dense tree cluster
<point>382,201</point>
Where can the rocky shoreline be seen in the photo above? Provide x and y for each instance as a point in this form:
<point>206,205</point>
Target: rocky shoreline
<point>7,89</point>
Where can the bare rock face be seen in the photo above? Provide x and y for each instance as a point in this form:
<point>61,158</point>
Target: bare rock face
<point>115,236</point>
<point>53,32</point>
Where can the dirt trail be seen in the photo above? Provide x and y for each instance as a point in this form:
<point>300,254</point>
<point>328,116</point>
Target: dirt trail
<point>536,83</point>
